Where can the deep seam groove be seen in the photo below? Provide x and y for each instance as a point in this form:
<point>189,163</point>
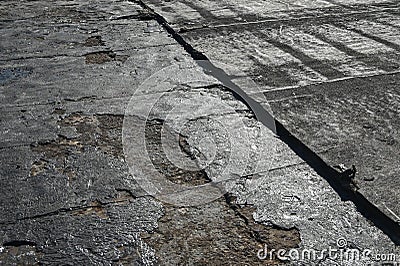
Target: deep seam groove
<point>339,182</point>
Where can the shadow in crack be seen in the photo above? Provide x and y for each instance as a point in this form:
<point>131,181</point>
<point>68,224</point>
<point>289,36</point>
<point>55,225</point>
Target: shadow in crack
<point>341,183</point>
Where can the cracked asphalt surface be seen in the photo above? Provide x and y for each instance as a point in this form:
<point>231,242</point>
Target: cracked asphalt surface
<point>327,70</point>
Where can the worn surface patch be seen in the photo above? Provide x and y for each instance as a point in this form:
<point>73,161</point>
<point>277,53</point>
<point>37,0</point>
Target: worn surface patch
<point>220,232</point>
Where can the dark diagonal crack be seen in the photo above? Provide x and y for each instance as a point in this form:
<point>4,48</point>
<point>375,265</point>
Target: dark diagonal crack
<point>210,69</point>
<point>342,184</point>
<point>338,181</point>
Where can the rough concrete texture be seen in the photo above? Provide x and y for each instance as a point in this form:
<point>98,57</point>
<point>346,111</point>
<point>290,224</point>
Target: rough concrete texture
<point>327,69</point>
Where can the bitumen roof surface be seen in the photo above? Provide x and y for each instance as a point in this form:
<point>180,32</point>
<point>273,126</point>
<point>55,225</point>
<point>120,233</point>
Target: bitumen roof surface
<point>148,132</point>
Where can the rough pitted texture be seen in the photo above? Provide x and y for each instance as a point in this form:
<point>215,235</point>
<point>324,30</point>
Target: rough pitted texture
<point>69,69</point>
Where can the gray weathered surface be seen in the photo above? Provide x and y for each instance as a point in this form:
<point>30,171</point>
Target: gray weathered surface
<point>65,187</point>
<point>328,48</point>
<point>69,69</point>
<point>353,122</point>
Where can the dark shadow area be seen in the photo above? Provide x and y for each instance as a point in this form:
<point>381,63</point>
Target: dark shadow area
<point>341,183</point>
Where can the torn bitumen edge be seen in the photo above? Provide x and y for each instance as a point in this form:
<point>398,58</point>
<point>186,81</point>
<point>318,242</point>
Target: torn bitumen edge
<point>339,182</point>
